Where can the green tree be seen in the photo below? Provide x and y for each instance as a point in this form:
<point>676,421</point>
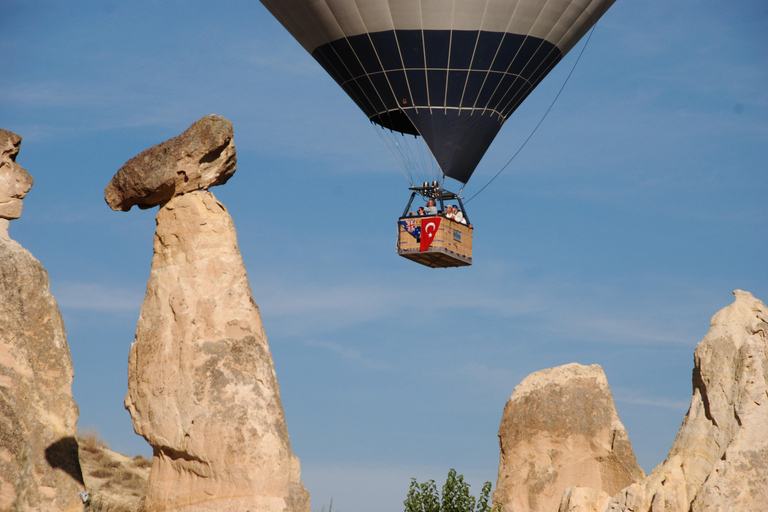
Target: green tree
<point>455,497</point>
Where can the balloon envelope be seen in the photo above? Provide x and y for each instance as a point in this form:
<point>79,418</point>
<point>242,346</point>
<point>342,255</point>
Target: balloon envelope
<point>451,71</point>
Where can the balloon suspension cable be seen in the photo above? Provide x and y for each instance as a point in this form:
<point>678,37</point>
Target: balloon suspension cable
<point>592,30</point>
<point>406,174</point>
<point>416,162</point>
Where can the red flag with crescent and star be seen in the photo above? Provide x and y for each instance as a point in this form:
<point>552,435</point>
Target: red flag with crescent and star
<point>429,228</point>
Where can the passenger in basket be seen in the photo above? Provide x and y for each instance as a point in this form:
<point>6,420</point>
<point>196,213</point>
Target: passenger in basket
<point>431,209</point>
<point>419,212</point>
<point>457,215</point>
<point>449,214</point>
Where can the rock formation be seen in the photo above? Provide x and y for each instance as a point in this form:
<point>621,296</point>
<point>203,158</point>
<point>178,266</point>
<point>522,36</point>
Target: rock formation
<point>719,459</point>
<point>202,388</point>
<point>560,429</point>
<point>199,158</point>
<point>39,465</point>
<point>116,483</point>
<point>583,499</point>
<point>15,182</point>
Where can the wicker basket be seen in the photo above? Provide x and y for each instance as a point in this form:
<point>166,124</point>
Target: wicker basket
<point>452,246</point>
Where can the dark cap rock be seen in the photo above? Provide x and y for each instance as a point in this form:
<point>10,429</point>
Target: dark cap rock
<point>199,158</point>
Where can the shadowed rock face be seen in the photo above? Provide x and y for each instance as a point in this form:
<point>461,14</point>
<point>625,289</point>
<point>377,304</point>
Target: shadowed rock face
<point>39,464</point>
<point>199,158</point>
<point>560,429</point>
<point>719,460</point>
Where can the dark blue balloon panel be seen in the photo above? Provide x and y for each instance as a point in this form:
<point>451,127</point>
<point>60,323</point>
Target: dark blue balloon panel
<point>455,88</point>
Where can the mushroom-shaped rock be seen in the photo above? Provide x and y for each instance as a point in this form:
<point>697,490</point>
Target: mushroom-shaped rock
<point>202,388</point>
<point>15,182</point>
<point>200,158</point>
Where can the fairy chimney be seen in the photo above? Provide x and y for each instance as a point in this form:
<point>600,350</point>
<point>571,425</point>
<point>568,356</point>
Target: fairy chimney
<point>202,388</point>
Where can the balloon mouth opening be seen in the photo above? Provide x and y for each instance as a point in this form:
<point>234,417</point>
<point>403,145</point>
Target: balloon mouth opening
<point>395,120</point>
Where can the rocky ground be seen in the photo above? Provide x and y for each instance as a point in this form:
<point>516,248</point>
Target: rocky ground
<point>116,483</point>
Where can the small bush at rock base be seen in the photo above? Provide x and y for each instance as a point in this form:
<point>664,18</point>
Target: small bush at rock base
<point>455,498</point>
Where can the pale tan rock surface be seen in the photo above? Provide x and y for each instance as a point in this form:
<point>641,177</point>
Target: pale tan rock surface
<point>201,384</point>
<point>583,499</point>
<point>719,459</point>
<point>199,158</point>
<point>39,465</point>
<point>15,182</point>
<point>560,429</point>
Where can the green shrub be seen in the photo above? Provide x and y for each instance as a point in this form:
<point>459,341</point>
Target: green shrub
<point>455,498</point>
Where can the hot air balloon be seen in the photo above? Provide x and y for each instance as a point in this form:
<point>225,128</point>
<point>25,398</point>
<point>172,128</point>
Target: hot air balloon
<point>449,71</point>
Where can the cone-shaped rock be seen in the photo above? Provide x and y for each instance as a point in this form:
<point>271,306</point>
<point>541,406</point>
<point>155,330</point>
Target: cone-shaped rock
<point>560,429</point>
<point>202,388</point>
<point>719,460</point>
<point>39,464</point>
<point>199,158</point>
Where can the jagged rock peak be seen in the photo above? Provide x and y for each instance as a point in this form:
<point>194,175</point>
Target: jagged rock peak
<point>199,158</point>
<point>15,182</point>
<point>202,389</point>
<point>560,428</point>
<point>39,464</point>
<point>719,459</point>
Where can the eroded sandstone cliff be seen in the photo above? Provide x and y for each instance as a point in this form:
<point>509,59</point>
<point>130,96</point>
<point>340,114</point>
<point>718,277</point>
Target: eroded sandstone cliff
<point>39,465</point>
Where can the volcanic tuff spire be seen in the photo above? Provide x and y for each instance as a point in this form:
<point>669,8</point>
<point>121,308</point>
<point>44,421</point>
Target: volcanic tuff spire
<point>559,429</point>
<point>719,460</point>
<point>202,389</point>
<point>39,465</point>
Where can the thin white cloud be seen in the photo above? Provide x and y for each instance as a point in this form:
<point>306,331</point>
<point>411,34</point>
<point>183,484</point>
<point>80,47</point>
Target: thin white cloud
<point>97,297</point>
<point>638,397</point>
<point>493,378</point>
<point>350,354</point>
<point>559,305</point>
<point>319,307</point>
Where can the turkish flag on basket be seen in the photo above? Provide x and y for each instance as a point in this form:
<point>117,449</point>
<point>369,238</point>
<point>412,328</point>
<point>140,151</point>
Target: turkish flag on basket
<point>428,231</point>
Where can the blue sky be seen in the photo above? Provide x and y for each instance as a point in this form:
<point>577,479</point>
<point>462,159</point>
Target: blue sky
<point>613,237</point>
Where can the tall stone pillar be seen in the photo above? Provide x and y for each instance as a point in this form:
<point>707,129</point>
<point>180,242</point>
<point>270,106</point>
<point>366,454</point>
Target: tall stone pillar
<point>202,389</point>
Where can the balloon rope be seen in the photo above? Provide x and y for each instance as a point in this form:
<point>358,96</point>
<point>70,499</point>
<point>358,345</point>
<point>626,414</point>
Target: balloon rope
<point>592,30</point>
<point>406,174</point>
